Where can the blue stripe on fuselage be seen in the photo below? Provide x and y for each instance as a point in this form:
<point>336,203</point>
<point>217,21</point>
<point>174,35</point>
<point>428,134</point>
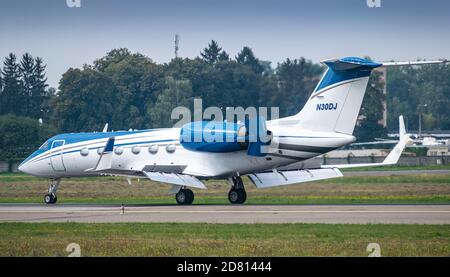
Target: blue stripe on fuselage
<point>34,154</point>
<point>71,138</point>
<point>122,144</point>
<point>80,137</point>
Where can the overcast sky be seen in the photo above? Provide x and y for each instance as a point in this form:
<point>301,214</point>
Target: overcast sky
<point>275,29</point>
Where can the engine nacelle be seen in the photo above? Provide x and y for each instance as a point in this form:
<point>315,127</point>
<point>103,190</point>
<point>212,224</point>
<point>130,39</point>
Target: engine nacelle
<point>213,136</point>
<point>222,137</point>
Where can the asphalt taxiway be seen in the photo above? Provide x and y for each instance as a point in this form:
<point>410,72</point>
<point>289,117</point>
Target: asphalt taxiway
<point>331,214</point>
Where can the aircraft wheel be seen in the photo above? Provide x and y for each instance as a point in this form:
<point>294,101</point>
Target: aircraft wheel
<point>191,196</point>
<point>185,197</point>
<point>237,196</point>
<point>50,199</point>
<point>243,196</point>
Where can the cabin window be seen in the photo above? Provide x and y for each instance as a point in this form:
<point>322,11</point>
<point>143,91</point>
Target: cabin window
<point>84,152</point>
<point>136,149</point>
<point>118,150</point>
<point>153,149</point>
<point>171,148</point>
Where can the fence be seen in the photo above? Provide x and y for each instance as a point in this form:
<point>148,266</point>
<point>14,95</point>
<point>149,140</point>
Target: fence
<point>9,166</point>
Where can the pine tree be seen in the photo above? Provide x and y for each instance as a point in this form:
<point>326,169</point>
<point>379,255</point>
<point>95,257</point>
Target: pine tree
<point>26,70</point>
<point>223,56</point>
<point>1,93</point>
<point>39,88</point>
<point>1,83</point>
<point>246,57</point>
<point>211,54</point>
<point>12,87</point>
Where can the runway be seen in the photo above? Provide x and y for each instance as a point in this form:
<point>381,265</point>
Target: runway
<point>330,214</point>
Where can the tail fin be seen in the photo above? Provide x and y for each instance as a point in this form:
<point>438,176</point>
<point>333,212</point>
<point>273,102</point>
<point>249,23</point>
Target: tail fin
<point>335,103</point>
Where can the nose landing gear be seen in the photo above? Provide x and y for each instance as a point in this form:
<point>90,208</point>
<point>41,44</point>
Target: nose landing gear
<point>237,194</point>
<point>50,197</point>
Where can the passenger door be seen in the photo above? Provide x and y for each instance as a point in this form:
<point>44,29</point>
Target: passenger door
<point>56,158</point>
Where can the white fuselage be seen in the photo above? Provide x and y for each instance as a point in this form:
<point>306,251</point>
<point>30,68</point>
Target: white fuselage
<point>74,159</point>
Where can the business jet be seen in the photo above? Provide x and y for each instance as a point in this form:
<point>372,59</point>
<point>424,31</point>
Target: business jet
<point>177,157</point>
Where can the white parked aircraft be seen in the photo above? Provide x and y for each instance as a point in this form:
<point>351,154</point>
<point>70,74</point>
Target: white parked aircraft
<point>414,143</point>
<point>325,123</point>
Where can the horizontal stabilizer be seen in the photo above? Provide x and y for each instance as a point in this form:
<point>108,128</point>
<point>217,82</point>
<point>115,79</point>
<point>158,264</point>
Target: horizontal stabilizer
<point>351,63</point>
<point>175,179</point>
<point>413,63</point>
<point>281,178</point>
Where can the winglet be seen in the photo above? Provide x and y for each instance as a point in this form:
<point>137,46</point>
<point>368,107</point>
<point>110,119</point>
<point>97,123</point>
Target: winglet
<point>105,160</point>
<point>395,154</point>
<point>109,145</point>
<point>401,127</point>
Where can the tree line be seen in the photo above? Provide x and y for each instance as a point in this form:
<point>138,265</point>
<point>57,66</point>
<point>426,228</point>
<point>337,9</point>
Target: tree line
<point>424,90</point>
<point>129,90</point>
<point>24,96</point>
<point>23,86</point>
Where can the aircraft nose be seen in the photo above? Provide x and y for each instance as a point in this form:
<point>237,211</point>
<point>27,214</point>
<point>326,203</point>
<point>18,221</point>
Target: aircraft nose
<point>24,168</point>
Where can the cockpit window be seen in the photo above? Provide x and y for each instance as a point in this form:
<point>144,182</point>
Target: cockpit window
<point>44,146</point>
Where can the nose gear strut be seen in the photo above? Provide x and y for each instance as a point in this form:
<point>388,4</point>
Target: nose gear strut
<point>50,197</point>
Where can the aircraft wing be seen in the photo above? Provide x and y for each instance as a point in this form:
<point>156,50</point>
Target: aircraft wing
<point>391,159</point>
<point>171,174</point>
<point>175,179</point>
<point>281,178</point>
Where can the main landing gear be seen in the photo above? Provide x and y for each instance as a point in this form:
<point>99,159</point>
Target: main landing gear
<point>237,194</point>
<point>50,197</point>
<point>184,196</point>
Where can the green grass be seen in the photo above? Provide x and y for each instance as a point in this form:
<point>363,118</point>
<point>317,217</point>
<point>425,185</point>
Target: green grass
<point>182,239</point>
<point>166,239</point>
<point>410,189</point>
